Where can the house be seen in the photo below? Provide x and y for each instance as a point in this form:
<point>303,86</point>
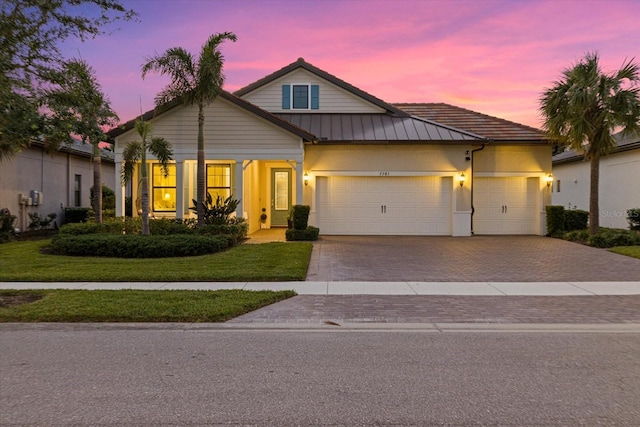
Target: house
<point>42,181</point>
<point>303,136</point>
<point>619,181</point>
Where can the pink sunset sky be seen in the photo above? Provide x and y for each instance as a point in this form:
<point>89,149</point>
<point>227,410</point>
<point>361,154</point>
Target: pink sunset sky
<point>495,57</point>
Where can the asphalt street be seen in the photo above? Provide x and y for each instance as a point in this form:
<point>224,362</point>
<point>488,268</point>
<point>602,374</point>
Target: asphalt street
<point>146,375</point>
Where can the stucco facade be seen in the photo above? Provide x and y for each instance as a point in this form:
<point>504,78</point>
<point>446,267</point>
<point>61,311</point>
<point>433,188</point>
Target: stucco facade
<point>301,135</point>
<point>63,178</point>
<point>619,185</point>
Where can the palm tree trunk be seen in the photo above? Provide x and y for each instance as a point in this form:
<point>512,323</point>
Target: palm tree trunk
<point>144,190</point>
<point>201,174</point>
<point>97,183</point>
<point>594,207</point>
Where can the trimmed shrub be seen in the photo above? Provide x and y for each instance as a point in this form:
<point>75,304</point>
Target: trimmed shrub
<point>235,231</point>
<point>633,216</point>
<point>74,215</point>
<point>108,197</point>
<point>310,233</point>
<point>166,226</point>
<point>300,216</point>
<point>610,237</point>
<point>137,246</point>
<point>575,219</point>
<point>111,226</point>
<point>578,236</point>
<point>555,220</point>
<point>6,225</point>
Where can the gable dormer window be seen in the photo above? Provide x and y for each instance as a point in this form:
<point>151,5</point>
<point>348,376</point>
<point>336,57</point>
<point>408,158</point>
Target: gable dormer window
<point>300,97</point>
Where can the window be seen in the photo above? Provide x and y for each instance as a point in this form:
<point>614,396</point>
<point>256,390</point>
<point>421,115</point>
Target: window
<point>300,97</point>
<point>164,188</point>
<point>77,190</point>
<point>557,186</point>
<point>219,181</point>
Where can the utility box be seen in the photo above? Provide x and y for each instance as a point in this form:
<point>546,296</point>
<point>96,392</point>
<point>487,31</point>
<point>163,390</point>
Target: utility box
<point>34,197</point>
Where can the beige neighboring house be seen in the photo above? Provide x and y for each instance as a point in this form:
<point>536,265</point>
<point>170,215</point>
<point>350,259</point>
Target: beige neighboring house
<point>619,181</point>
<point>303,136</point>
<point>40,181</point>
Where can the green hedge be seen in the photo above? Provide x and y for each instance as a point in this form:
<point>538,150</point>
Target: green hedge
<point>75,215</point>
<point>606,238</point>
<point>575,219</point>
<point>633,216</point>
<point>310,233</point>
<point>555,220</point>
<point>137,246</point>
<point>300,216</point>
<point>560,221</point>
<point>236,231</point>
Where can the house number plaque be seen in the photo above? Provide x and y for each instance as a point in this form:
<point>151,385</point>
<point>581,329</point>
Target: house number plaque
<point>384,173</point>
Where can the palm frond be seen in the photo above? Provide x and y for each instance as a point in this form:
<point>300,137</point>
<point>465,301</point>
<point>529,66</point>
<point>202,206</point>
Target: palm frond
<point>161,149</point>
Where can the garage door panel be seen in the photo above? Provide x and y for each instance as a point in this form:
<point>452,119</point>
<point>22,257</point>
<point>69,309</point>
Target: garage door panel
<point>505,205</point>
<point>384,205</point>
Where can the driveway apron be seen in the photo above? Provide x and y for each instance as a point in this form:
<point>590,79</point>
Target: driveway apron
<point>465,259</point>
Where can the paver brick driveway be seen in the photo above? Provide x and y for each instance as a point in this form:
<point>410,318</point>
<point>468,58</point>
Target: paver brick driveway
<point>465,259</point>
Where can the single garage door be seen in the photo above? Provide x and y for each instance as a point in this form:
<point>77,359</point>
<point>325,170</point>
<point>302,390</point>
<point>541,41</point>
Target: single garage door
<point>371,205</point>
<point>505,205</point>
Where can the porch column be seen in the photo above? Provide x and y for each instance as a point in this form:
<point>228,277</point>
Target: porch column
<point>119,193</point>
<point>179,188</point>
<point>299,183</point>
<point>239,188</point>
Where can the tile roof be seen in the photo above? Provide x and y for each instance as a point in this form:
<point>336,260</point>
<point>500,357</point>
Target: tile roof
<point>366,128</point>
<point>492,128</point>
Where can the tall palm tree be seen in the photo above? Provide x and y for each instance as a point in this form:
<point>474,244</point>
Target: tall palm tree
<point>585,107</point>
<point>135,152</point>
<point>194,81</point>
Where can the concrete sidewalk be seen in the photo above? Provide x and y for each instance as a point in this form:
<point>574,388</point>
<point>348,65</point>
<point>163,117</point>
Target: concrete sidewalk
<point>366,288</point>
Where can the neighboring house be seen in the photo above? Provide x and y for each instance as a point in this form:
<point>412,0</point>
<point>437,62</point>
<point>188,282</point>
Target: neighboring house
<point>302,136</point>
<point>40,181</point>
<point>619,181</point>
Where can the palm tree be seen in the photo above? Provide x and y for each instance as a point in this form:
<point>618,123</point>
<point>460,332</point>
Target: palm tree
<point>135,152</point>
<point>78,106</point>
<point>585,107</point>
<point>193,81</point>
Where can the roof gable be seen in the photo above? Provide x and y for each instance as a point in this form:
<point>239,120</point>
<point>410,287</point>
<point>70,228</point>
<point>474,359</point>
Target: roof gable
<point>113,133</point>
<point>301,64</point>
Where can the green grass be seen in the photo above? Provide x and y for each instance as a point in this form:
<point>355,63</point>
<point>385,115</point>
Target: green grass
<point>134,306</point>
<point>632,251</point>
<point>267,262</point>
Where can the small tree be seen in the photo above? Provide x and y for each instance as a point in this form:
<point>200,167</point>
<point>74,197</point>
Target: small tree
<point>79,107</point>
<point>585,107</point>
<point>136,152</point>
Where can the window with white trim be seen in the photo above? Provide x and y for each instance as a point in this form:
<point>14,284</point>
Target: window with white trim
<point>219,181</point>
<point>300,97</point>
<point>163,188</point>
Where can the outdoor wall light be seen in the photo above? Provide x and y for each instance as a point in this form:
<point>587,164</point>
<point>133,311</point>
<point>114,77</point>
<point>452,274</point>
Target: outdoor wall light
<point>549,180</point>
<point>305,178</point>
<point>461,179</point>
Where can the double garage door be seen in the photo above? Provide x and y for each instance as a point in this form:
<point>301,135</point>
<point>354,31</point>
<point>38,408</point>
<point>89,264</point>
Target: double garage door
<point>371,205</point>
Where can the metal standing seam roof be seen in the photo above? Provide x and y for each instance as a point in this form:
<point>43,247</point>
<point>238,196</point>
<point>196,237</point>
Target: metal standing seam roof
<point>493,128</point>
<point>383,128</point>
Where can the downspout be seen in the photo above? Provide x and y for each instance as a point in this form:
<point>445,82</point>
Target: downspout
<point>473,209</point>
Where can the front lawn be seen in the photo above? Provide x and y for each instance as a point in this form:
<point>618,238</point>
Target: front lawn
<point>62,305</point>
<point>267,262</point>
<point>632,251</point>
